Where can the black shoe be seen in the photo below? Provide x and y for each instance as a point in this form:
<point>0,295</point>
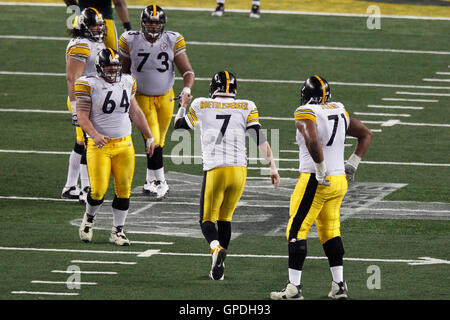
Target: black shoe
<point>220,10</point>
<point>255,13</point>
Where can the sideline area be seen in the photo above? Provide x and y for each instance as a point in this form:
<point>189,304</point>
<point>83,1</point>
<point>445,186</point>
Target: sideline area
<point>439,8</point>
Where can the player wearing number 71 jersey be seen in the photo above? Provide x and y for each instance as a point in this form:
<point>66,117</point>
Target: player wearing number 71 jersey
<point>322,185</point>
<point>224,122</point>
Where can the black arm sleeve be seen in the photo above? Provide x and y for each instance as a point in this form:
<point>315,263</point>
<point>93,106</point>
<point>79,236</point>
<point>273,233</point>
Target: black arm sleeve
<point>256,134</point>
<point>182,124</point>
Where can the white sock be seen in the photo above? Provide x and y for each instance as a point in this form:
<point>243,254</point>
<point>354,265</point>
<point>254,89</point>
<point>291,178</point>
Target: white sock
<point>221,1</point>
<point>119,217</point>
<point>159,174</point>
<point>150,175</point>
<point>84,176</point>
<point>337,273</point>
<point>91,210</point>
<point>74,169</point>
<point>295,276</point>
<point>214,244</point>
<point>255,2</point>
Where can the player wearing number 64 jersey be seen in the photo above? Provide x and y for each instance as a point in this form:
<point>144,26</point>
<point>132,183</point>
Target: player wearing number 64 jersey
<point>224,122</point>
<point>322,185</point>
<point>105,106</point>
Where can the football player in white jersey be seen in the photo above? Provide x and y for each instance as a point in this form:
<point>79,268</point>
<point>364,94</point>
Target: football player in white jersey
<point>105,106</point>
<point>150,54</point>
<point>322,185</point>
<point>223,122</point>
<point>81,51</point>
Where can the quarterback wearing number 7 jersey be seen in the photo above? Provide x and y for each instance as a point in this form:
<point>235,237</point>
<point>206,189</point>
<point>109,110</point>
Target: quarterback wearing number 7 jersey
<point>224,122</point>
<point>322,184</point>
<point>106,104</point>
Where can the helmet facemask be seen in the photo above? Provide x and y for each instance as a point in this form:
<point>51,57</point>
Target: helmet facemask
<point>108,65</point>
<point>153,22</point>
<point>92,25</point>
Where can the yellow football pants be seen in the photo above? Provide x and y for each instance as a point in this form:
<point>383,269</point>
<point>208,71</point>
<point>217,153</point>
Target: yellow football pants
<point>78,130</point>
<point>222,188</point>
<point>158,111</point>
<point>116,157</point>
<point>311,202</point>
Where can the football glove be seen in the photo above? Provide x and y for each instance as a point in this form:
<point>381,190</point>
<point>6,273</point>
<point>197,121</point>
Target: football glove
<point>351,165</point>
<point>73,107</point>
<point>75,120</point>
<point>321,173</point>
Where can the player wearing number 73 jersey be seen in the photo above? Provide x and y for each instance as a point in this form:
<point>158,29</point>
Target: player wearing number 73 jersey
<point>224,122</point>
<point>150,55</point>
<point>322,185</point>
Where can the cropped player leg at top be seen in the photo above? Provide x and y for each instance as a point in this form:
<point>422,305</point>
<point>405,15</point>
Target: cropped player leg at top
<point>220,9</point>
<point>111,34</point>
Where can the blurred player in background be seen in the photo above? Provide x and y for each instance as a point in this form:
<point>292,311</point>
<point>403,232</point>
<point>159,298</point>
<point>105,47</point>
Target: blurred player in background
<point>106,104</point>
<point>104,7</point>
<point>254,12</point>
<point>87,40</point>
<point>322,185</point>
<point>150,54</point>
<point>224,122</point>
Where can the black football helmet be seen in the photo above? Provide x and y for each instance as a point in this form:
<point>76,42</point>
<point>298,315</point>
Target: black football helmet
<point>315,90</point>
<point>88,20</point>
<point>108,65</point>
<point>156,16</point>
<point>223,83</point>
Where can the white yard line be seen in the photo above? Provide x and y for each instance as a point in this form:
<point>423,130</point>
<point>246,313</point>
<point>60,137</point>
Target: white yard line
<point>357,84</point>
<point>394,107</point>
<point>64,282</point>
<point>410,100</point>
<point>84,272</point>
<point>382,114</point>
<point>421,260</point>
<point>433,94</point>
<point>46,293</point>
<point>443,73</point>
<point>102,262</point>
<point>435,80</point>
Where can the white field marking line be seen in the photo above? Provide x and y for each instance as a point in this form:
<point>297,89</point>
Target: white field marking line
<point>393,107</point>
<point>423,94</point>
<point>35,111</point>
<point>382,114</point>
<point>376,130</point>
<point>422,260</point>
<point>69,250</point>
<point>46,293</point>
<point>409,100</point>
<point>152,242</point>
<point>358,84</point>
<point>285,12</point>
<point>64,282</point>
<point>435,80</point>
<point>102,262</point>
<point>85,272</point>
<point>256,45</point>
<point>443,73</point>
<point>250,159</point>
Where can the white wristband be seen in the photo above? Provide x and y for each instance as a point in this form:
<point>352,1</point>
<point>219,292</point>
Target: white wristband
<point>181,112</point>
<point>186,90</point>
<point>149,142</point>
<point>321,167</point>
<point>73,106</point>
<point>354,160</point>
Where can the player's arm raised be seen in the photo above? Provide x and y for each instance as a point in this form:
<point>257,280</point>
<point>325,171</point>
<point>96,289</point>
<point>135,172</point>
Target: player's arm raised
<point>358,130</point>
<point>184,67</point>
<point>138,118</point>
<point>308,129</point>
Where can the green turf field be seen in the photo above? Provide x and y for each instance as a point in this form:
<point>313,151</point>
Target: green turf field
<point>410,148</point>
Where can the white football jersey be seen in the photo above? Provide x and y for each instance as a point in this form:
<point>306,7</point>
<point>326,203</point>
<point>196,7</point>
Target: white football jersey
<point>85,50</point>
<point>332,121</point>
<point>223,123</point>
<point>152,63</point>
<point>110,103</point>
